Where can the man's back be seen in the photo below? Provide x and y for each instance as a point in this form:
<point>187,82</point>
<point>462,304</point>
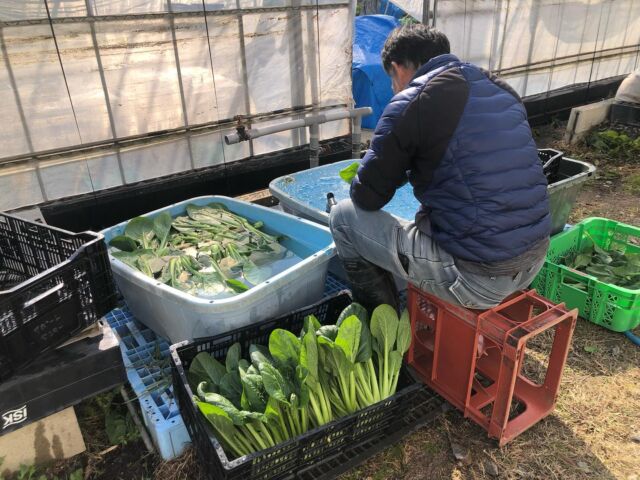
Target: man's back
<point>464,139</point>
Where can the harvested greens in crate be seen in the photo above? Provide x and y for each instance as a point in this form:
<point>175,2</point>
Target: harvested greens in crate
<point>326,450</point>
<point>301,380</point>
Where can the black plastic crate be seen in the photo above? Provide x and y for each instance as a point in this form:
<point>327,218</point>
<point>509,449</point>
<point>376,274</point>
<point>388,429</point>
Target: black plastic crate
<point>60,378</point>
<point>625,113</point>
<point>550,160</point>
<point>53,283</point>
<point>323,452</point>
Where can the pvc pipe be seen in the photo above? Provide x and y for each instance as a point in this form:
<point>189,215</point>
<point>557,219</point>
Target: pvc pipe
<point>243,135</point>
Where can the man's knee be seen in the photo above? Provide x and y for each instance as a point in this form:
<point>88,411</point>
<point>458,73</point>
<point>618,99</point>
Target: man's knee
<point>341,214</point>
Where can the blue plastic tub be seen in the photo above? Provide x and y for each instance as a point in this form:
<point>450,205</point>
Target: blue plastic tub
<point>305,193</point>
<point>178,316</point>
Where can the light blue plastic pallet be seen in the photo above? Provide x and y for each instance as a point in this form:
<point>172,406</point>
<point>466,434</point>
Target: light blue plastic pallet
<point>146,359</point>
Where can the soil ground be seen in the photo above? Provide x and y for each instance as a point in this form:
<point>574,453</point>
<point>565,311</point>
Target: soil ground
<point>589,436</point>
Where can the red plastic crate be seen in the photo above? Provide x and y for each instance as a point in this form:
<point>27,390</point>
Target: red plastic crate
<point>474,358</point>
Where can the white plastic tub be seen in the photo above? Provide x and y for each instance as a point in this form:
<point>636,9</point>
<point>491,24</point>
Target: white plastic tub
<point>178,316</point>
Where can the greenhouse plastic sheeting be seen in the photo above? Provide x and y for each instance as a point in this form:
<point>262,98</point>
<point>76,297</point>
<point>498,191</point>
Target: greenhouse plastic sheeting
<point>84,72</point>
<point>371,84</point>
<point>540,45</point>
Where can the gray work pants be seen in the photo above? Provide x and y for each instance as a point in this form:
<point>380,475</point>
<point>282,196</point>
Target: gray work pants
<point>400,248</point>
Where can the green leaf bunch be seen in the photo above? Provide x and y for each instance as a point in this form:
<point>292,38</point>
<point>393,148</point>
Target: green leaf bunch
<point>615,267</point>
<point>301,381</point>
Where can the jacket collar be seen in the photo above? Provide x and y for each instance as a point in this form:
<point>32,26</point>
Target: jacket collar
<point>435,62</point>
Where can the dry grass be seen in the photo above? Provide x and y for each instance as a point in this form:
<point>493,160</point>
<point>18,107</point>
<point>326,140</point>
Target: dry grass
<point>587,437</point>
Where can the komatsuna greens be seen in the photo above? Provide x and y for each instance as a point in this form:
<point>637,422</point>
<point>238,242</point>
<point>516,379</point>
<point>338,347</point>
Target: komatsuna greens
<point>614,267</point>
<point>301,381</point>
<point>209,252</point>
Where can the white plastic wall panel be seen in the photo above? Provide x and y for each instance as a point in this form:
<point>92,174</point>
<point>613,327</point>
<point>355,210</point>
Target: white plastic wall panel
<point>12,136</point>
<point>196,5</point>
<point>470,36</point>
<point>104,171</point>
<point>18,187</point>
<point>275,44</point>
<point>140,71</point>
<point>67,8</point>
<point>41,89</point>
<point>127,7</point>
<point>335,55</point>
<point>22,10</point>
<point>335,129</point>
<point>226,57</point>
<point>207,149</point>
<point>503,34</point>
<point>65,178</point>
<point>83,79</point>
<point>195,68</point>
<point>155,160</point>
<point>412,7</point>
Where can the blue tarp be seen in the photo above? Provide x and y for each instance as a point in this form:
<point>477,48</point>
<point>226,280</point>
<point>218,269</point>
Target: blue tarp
<point>371,85</point>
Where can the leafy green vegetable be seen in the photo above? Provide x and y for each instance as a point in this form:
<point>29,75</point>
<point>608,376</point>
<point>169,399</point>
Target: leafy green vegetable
<point>205,368</point>
<point>348,173</point>
<point>140,229</point>
<point>124,243</point>
<point>209,252</point>
<point>233,357</point>
<point>162,227</point>
<point>284,347</point>
<point>303,381</point>
<point>615,267</point>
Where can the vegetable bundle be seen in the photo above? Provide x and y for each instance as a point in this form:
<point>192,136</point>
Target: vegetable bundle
<point>620,269</point>
<point>210,251</point>
<point>303,381</point>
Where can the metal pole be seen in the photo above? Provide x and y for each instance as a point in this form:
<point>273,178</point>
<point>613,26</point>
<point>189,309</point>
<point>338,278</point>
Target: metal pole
<point>245,72</point>
<point>435,13</point>
<point>356,137</point>
<point>314,145</point>
<point>426,6</point>
<point>137,421</point>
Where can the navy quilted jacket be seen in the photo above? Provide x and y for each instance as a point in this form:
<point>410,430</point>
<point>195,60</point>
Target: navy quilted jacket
<point>461,137</point>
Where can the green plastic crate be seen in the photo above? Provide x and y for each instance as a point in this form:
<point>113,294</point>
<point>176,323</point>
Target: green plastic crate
<point>605,304</point>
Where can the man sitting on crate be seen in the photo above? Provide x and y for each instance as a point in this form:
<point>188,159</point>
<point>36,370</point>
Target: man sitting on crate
<point>460,136</point>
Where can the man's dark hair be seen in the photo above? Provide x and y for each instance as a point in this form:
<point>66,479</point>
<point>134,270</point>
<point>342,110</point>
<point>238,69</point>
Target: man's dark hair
<point>413,45</point>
